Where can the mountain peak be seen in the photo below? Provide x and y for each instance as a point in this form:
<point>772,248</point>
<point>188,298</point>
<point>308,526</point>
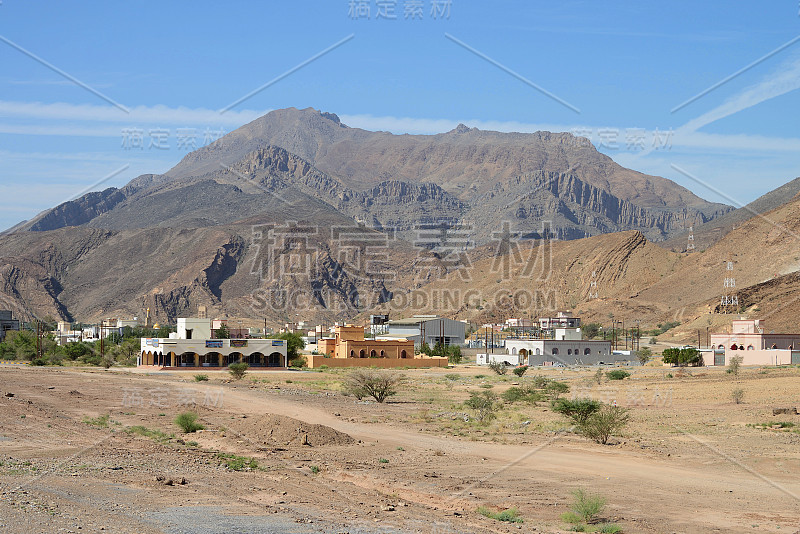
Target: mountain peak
<point>462,128</point>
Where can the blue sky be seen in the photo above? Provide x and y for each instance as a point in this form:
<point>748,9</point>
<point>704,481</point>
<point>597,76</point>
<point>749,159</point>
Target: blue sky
<point>92,94</point>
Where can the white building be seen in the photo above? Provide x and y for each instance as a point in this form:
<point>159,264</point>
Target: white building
<point>192,346</point>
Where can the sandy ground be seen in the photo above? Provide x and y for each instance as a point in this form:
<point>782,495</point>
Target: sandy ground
<point>688,461</point>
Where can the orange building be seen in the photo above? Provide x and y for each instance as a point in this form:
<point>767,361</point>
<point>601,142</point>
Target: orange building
<point>348,348</point>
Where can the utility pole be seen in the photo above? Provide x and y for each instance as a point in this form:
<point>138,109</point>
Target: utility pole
<point>38,339</point>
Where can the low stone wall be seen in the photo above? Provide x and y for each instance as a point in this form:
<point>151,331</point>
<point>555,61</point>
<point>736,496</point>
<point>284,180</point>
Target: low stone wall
<point>385,363</point>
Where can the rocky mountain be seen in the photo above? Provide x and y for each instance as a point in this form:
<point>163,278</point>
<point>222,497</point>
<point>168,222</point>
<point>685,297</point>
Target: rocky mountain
<point>707,233</point>
<point>341,219</point>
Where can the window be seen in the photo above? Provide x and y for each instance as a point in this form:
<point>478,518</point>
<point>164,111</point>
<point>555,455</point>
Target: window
<point>555,351</point>
<point>403,354</point>
<point>750,347</point>
<point>569,352</point>
<point>587,351</point>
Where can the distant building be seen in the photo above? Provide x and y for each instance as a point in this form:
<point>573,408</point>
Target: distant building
<point>193,346</point>
<point>555,352</point>
<point>430,329</point>
<point>559,341</point>
<point>7,322</point>
<point>747,339</point>
<point>349,348</point>
<point>562,320</point>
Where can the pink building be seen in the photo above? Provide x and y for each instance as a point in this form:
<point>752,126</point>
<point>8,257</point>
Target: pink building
<point>747,339</point>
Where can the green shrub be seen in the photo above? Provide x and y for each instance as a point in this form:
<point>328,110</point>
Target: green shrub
<point>238,370</point>
<point>517,394</point>
<point>610,528</point>
<point>237,463</point>
<point>314,469</point>
<point>540,382</point>
<point>578,409</point>
<point>101,421</point>
<point>555,389</point>
<point>618,374</point>
<point>299,362</point>
<point>484,403</point>
<point>379,385</point>
<point>601,424</point>
<point>499,367</point>
<point>519,371</point>
<point>156,435</point>
<point>201,378</point>
<point>734,364</point>
<point>587,506</point>
<point>383,461</point>
<point>510,515</point>
<point>188,422</point>
<point>737,395</point>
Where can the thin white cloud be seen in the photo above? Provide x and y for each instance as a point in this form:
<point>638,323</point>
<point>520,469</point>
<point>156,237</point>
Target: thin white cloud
<point>784,80</point>
<point>158,114</point>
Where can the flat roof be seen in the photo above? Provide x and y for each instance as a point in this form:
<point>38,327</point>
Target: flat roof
<point>416,319</point>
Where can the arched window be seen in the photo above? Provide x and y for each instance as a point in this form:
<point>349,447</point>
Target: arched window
<point>352,353</point>
<point>403,354</point>
<point>538,352</point>
<point>750,347</point>
<point>569,352</point>
<point>741,347</point>
<point>383,354</point>
<point>734,347</point>
<point>721,347</point>
<point>373,354</point>
<point>555,351</point>
<point>587,351</point>
<point>362,354</point>
<point>513,350</point>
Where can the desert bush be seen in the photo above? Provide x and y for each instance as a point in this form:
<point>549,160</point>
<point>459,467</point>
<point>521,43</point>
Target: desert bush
<point>737,395</point>
<point>201,378</point>
<point>188,422</point>
<point>598,376</point>
<point>517,394</point>
<point>238,370</point>
<point>379,385</point>
<point>237,463</point>
<point>644,354</point>
<point>734,365</point>
<point>587,506</point>
<point>499,367</point>
<point>300,361</point>
<point>101,421</point>
<point>603,423</point>
<point>540,382</point>
<point>519,371</point>
<point>484,403</point>
<point>556,389</point>
<point>618,374</point>
<point>454,354</point>
<point>509,515</point>
<point>578,409</point>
